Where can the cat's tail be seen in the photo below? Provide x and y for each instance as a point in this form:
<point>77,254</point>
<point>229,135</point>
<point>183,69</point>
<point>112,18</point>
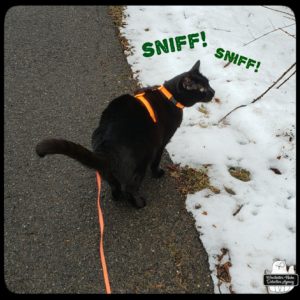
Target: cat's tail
<point>73,150</point>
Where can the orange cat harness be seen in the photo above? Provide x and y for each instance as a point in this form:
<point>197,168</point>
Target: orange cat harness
<point>148,106</point>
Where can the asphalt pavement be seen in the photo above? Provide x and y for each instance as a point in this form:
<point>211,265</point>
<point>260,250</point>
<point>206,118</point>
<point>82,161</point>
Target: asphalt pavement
<point>63,65</point>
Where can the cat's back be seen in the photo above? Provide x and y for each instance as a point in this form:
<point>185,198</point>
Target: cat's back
<point>121,105</point>
<point>125,110</point>
<point>125,120</point>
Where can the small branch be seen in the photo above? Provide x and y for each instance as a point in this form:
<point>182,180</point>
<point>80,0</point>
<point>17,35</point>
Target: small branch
<point>267,34</point>
<point>222,29</point>
<point>287,33</point>
<point>286,80</point>
<point>238,210</point>
<point>259,97</point>
<point>243,105</point>
<point>218,285</point>
<point>274,83</point>
<point>227,64</point>
<point>289,18</point>
<point>224,252</point>
<point>277,10</point>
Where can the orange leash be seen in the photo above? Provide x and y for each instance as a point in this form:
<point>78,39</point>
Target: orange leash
<point>101,250</point>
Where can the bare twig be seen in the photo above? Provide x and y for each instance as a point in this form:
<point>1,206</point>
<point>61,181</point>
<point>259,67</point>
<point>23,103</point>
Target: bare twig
<point>277,10</point>
<point>286,80</point>
<point>243,105</point>
<point>224,252</point>
<point>227,64</point>
<point>274,83</point>
<point>238,210</point>
<point>289,18</point>
<point>287,33</point>
<point>218,285</point>
<point>222,29</point>
<point>259,97</point>
<point>268,33</point>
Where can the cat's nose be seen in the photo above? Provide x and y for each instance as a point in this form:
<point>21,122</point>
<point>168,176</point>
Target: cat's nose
<point>211,92</point>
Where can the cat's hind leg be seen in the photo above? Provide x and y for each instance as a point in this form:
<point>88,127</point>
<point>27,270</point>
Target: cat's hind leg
<point>157,172</point>
<point>115,186</point>
<point>132,189</point>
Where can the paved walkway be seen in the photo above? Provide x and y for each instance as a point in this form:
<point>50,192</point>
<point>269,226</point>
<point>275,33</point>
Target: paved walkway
<point>62,67</point>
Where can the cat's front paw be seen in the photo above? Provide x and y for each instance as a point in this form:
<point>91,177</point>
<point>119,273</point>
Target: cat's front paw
<point>158,173</point>
<point>139,202</point>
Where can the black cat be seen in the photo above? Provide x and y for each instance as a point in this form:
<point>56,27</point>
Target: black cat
<point>128,139</point>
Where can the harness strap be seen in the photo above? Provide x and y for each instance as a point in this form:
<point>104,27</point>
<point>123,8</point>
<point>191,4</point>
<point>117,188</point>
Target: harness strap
<point>147,105</point>
<point>170,97</point>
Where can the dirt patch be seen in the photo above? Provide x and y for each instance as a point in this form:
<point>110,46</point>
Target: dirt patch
<point>239,173</point>
<point>190,180</point>
<point>117,13</point>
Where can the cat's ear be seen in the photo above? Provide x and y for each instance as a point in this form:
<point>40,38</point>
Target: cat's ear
<point>196,67</point>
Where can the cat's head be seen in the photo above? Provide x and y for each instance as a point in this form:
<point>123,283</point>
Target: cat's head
<point>190,87</point>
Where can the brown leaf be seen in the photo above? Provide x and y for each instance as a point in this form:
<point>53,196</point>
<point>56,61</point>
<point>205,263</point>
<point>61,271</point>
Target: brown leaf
<point>172,167</point>
<point>204,213</point>
<point>174,174</point>
<point>214,189</point>
<point>229,190</point>
<point>239,173</point>
<point>224,252</point>
<point>203,109</point>
<point>276,171</point>
<point>223,272</point>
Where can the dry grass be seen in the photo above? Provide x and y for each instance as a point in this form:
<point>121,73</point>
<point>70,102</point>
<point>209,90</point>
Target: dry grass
<point>203,109</point>
<point>190,180</point>
<point>240,173</point>
<point>117,14</point>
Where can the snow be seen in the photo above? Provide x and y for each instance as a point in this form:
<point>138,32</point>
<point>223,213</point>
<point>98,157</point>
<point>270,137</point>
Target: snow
<point>257,137</point>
